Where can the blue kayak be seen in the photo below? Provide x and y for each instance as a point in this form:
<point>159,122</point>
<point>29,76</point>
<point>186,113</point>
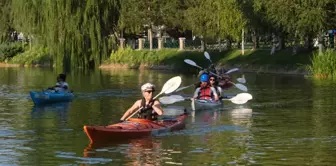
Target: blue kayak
<point>47,97</point>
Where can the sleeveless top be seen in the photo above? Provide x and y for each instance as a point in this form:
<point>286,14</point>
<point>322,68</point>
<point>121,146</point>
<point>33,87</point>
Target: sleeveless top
<point>146,111</point>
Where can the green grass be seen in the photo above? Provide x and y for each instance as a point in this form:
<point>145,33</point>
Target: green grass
<point>135,58</point>
<point>263,57</point>
<point>324,65</point>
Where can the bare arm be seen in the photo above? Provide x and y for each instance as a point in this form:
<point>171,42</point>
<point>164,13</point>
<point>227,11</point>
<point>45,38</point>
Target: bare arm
<point>196,93</point>
<point>157,108</point>
<point>131,110</point>
<point>214,93</point>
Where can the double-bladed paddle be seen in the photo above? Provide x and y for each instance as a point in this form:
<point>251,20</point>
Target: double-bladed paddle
<point>170,86</point>
<point>240,98</point>
<point>239,86</point>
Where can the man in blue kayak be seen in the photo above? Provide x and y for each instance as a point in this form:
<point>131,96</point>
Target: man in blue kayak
<point>205,91</point>
<point>61,85</point>
<point>149,108</point>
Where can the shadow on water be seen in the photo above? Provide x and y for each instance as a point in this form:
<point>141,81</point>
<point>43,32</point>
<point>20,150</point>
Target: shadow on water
<point>60,109</point>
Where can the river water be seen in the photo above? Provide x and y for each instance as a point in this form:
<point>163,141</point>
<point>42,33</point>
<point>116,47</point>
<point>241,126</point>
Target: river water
<point>290,121</point>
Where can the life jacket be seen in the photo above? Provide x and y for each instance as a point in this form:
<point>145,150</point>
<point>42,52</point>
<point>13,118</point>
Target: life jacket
<point>61,86</point>
<point>205,93</point>
<point>146,111</point>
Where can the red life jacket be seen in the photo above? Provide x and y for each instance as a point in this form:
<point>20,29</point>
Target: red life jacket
<point>205,93</point>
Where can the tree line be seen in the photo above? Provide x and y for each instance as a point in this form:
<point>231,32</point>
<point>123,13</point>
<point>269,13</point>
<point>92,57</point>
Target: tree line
<point>83,32</point>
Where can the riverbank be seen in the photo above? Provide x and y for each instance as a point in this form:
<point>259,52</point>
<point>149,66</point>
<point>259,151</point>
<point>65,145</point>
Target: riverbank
<point>260,61</point>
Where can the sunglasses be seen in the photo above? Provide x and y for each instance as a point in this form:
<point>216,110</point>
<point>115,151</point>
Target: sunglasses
<point>149,91</point>
<point>212,79</point>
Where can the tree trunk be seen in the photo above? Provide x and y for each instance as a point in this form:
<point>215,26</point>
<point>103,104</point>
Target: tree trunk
<point>150,38</point>
<point>308,42</point>
<point>228,44</point>
<point>274,43</point>
<point>255,40</point>
<point>242,46</point>
<point>203,45</point>
<point>219,44</point>
<point>320,43</point>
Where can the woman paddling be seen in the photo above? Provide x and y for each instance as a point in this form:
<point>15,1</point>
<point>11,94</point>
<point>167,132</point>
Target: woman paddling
<point>150,108</point>
<point>213,83</point>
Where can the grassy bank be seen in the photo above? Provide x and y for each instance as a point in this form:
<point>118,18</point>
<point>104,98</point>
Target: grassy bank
<point>253,60</point>
<point>324,65</point>
<point>17,54</point>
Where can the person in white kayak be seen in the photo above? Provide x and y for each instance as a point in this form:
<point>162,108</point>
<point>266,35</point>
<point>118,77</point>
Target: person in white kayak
<point>213,83</point>
<point>205,91</point>
<point>61,85</point>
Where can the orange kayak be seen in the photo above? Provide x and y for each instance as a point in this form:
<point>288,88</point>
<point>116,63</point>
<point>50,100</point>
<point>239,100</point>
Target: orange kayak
<point>134,128</point>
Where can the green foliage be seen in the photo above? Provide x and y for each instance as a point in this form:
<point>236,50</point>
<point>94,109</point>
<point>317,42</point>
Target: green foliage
<point>215,18</point>
<point>9,50</point>
<point>135,58</point>
<point>76,32</point>
<point>5,20</point>
<point>324,65</point>
<point>295,17</point>
<point>135,14</point>
<point>263,57</point>
<point>37,55</point>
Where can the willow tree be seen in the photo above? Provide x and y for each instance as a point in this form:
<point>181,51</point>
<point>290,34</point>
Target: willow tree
<point>210,19</point>
<point>137,16</point>
<point>5,20</point>
<point>297,18</point>
<point>76,31</point>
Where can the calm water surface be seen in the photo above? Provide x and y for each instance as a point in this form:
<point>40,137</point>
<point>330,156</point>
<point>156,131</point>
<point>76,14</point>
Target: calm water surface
<point>290,121</point>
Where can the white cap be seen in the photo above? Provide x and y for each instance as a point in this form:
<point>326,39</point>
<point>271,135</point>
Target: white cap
<point>147,86</point>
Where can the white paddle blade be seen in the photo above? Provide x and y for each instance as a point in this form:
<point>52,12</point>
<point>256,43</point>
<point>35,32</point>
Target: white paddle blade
<point>232,70</point>
<point>241,98</point>
<point>171,85</point>
<point>237,101</point>
<point>171,99</point>
<point>246,96</point>
<point>241,87</point>
<point>192,63</point>
<point>166,100</point>
<point>177,97</point>
<point>242,79</point>
<point>207,56</point>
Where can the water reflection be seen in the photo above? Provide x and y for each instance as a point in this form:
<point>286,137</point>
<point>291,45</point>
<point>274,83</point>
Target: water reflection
<point>144,151</point>
<point>60,109</point>
<point>288,122</point>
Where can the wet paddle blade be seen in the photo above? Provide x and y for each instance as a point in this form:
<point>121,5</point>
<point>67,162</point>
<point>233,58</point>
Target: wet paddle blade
<point>241,98</point>
<point>171,85</point>
<point>171,99</point>
<point>246,96</point>
<point>232,70</point>
<point>241,87</point>
<point>167,100</point>
<point>241,80</point>
<point>192,63</point>
<point>207,56</point>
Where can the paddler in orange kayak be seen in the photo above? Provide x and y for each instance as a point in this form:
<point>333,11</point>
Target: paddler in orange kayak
<point>150,108</point>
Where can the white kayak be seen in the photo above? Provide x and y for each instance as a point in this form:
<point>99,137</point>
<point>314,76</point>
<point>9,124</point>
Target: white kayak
<point>206,104</point>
